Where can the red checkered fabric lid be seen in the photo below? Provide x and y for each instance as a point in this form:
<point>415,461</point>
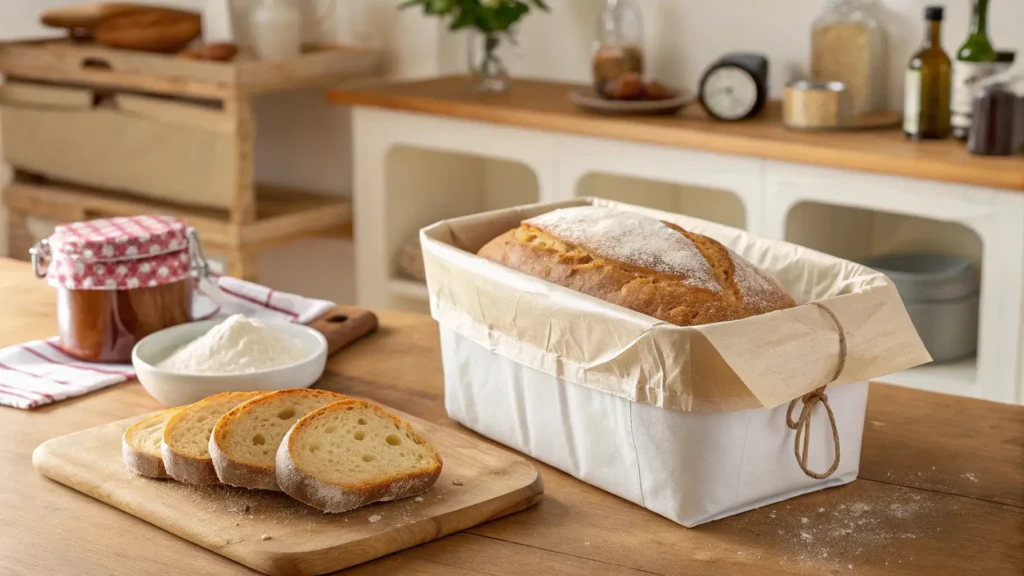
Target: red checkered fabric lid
<point>119,253</point>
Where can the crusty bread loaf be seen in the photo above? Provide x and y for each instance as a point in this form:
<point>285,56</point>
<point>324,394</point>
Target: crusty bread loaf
<point>244,442</point>
<point>641,263</point>
<point>186,439</point>
<point>352,453</point>
<point>140,445</point>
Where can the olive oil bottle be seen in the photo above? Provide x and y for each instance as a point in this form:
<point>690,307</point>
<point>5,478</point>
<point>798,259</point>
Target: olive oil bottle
<point>975,61</point>
<point>926,84</point>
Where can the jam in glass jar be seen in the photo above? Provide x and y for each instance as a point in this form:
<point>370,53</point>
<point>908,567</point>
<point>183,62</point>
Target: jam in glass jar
<point>118,280</point>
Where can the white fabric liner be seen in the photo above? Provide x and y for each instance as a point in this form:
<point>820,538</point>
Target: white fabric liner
<point>688,422</point>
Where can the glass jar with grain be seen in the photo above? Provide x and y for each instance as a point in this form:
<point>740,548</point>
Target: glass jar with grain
<point>118,280</point>
<point>847,45</point>
<point>618,53</point>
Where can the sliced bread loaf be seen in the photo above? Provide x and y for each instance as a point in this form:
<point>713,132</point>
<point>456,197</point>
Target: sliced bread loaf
<point>245,440</point>
<point>140,445</point>
<point>187,436</point>
<point>351,453</point>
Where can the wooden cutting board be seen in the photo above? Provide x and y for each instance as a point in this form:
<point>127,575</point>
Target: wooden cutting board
<point>343,325</point>
<point>274,534</point>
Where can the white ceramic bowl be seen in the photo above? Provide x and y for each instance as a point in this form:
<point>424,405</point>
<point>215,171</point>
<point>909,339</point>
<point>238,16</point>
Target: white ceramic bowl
<point>174,389</point>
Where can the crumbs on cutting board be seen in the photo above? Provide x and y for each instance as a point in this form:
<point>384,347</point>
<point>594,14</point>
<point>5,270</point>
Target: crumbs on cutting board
<point>457,482</point>
<point>374,518</point>
<point>266,537</point>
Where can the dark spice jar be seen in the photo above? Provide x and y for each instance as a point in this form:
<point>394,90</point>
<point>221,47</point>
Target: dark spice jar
<point>992,121</point>
<point>118,280</point>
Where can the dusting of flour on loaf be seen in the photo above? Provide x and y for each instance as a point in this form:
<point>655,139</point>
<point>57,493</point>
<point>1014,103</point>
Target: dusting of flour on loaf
<point>760,292</point>
<point>238,345</point>
<point>630,238</point>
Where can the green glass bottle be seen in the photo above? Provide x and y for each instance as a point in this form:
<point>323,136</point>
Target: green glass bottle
<point>927,85</point>
<point>975,61</point>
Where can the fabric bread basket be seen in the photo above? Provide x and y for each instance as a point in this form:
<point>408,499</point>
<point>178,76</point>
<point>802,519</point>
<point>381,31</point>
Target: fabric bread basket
<point>693,423</point>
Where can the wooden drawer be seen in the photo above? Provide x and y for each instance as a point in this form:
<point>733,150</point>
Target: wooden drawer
<point>164,149</point>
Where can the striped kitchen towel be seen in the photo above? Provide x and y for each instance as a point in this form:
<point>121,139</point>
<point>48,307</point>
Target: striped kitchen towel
<point>37,373</point>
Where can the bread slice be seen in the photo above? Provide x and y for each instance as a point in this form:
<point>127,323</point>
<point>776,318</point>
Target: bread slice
<point>351,453</point>
<point>245,440</point>
<point>140,445</point>
<point>187,436</point>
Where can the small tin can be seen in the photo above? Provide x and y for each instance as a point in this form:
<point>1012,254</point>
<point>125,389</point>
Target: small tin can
<point>816,105</point>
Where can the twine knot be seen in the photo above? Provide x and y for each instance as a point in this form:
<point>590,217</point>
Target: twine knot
<point>802,424</point>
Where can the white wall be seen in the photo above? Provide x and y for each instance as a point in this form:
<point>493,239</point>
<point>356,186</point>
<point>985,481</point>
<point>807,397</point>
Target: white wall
<point>684,36</point>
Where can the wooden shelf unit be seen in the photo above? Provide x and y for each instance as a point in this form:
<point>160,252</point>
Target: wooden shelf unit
<point>65,92</point>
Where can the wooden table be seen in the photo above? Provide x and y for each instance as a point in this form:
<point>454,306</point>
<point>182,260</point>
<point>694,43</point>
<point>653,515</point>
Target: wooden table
<point>941,489</point>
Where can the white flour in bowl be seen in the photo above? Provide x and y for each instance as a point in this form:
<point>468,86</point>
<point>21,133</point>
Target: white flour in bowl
<point>238,345</point>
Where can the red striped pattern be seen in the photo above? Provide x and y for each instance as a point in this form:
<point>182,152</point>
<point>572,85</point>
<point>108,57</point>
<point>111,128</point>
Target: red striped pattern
<point>31,375</point>
<point>266,304</point>
<point>72,363</point>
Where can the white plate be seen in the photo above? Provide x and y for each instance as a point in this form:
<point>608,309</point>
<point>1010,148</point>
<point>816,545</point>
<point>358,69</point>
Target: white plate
<point>591,102</point>
<point>174,389</point>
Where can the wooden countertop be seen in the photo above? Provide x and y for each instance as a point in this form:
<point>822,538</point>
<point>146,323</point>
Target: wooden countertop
<point>545,106</point>
<point>941,489</point>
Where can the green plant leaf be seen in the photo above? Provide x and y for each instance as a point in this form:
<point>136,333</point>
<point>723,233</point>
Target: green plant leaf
<point>439,7</point>
<point>465,18</point>
<point>491,17</point>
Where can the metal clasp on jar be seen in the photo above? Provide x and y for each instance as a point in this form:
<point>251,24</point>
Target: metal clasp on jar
<point>200,265</point>
<point>41,251</point>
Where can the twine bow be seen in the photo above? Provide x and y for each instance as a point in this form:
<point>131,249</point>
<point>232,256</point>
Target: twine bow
<point>802,425</point>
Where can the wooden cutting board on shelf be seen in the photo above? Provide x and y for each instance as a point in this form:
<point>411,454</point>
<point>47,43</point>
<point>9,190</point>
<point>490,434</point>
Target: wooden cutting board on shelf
<point>270,532</point>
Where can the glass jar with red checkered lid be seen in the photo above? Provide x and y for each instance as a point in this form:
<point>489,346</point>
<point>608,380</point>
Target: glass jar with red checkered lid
<point>119,280</point>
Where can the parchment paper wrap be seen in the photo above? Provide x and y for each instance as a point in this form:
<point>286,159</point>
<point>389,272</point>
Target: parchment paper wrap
<point>763,361</point>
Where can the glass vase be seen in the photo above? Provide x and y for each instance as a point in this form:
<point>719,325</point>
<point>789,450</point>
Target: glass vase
<point>484,63</point>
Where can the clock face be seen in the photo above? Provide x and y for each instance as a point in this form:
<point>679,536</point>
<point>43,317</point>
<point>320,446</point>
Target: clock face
<point>729,92</point>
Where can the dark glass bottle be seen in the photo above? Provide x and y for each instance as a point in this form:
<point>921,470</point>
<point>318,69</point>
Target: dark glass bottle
<point>927,84</point>
<point>975,61</point>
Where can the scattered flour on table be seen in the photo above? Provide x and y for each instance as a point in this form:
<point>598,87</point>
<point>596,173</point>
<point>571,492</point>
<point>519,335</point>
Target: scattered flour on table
<point>971,476</point>
<point>238,345</point>
<point>852,528</point>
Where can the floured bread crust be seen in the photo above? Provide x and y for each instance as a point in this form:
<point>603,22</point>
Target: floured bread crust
<point>653,267</point>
